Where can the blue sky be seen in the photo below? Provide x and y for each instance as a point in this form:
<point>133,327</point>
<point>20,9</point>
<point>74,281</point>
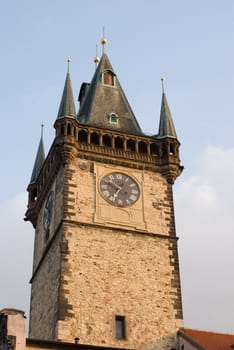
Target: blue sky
<point>190,43</point>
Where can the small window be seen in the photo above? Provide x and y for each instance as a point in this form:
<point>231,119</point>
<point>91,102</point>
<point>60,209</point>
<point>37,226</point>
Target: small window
<point>113,118</point>
<point>108,78</point>
<point>120,327</point>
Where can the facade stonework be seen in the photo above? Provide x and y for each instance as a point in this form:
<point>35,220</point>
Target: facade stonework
<point>109,272</point>
<point>89,272</point>
<point>97,262</point>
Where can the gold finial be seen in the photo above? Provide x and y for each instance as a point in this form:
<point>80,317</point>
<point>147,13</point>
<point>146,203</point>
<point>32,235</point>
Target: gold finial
<point>68,64</point>
<point>103,41</point>
<point>42,126</point>
<point>162,80</point>
<point>96,58</point>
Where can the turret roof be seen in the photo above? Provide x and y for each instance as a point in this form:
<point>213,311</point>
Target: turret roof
<point>166,125</point>
<point>40,158</point>
<point>67,105</point>
<point>104,104</point>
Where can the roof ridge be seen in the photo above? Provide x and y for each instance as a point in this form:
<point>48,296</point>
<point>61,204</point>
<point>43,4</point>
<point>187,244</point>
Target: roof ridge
<point>206,331</point>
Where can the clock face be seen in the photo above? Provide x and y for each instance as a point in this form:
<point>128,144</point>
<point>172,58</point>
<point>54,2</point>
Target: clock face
<point>119,189</point>
<point>48,211</point>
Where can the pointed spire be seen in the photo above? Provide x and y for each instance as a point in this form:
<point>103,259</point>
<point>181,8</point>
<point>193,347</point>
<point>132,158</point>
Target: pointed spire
<point>166,125</point>
<point>40,158</point>
<point>67,105</point>
<point>105,86</point>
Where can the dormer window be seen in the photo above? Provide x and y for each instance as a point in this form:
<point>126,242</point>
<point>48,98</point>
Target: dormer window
<point>109,78</point>
<point>113,118</point>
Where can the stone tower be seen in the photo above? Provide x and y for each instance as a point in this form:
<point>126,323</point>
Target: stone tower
<point>105,267</point>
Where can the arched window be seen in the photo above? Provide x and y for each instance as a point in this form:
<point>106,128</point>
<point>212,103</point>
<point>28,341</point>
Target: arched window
<point>172,149</point>
<point>95,138</point>
<point>154,150</point>
<point>164,149</point>
<point>119,142</point>
<point>106,140</point>
<point>131,145</point>
<point>83,136</point>
<point>108,78</point>
<point>142,147</point>
<point>69,129</point>
<point>62,129</point>
<point>113,118</point>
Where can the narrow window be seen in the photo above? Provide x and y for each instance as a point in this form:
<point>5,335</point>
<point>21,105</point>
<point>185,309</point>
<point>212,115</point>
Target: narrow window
<point>69,129</point>
<point>120,327</point>
<point>62,129</point>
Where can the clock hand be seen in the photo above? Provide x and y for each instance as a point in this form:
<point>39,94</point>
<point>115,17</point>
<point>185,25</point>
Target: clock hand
<point>117,192</point>
<point>117,186</point>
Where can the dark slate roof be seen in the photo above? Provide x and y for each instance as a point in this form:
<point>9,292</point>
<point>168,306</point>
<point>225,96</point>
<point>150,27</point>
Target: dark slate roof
<point>166,125</point>
<point>101,100</point>
<point>40,158</point>
<point>67,105</point>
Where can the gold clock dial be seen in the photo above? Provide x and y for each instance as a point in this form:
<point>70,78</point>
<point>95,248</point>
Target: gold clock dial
<point>119,189</point>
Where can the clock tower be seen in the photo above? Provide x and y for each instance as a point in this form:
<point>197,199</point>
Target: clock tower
<point>105,268</point>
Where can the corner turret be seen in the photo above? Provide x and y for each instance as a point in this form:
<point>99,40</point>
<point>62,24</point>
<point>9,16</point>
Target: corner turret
<point>40,158</point>
<point>166,125</point>
<point>171,167</point>
<point>39,161</point>
<point>67,105</point>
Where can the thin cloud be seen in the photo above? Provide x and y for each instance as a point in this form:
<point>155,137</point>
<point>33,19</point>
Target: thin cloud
<point>16,251</point>
<point>205,222</point>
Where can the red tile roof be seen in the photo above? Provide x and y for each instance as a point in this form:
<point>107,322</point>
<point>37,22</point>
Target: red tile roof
<point>211,340</point>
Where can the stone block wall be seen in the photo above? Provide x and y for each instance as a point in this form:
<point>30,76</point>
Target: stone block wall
<point>96,265</point>
<point>110,273</point>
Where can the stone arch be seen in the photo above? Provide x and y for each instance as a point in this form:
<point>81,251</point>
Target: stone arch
<point>83,136</point>
<point>106,140</point>
<point>131,145</point>
<point>142,147</point>
<point>119,142</point>
<point>95,138</point>
<point>154,149</point>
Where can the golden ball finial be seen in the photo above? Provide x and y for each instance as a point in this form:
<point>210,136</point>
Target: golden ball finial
<point>96,59</point>
<point>162,81</point>
<point>68,64</point>
<point>42,127</point>
<point>104,41</point>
